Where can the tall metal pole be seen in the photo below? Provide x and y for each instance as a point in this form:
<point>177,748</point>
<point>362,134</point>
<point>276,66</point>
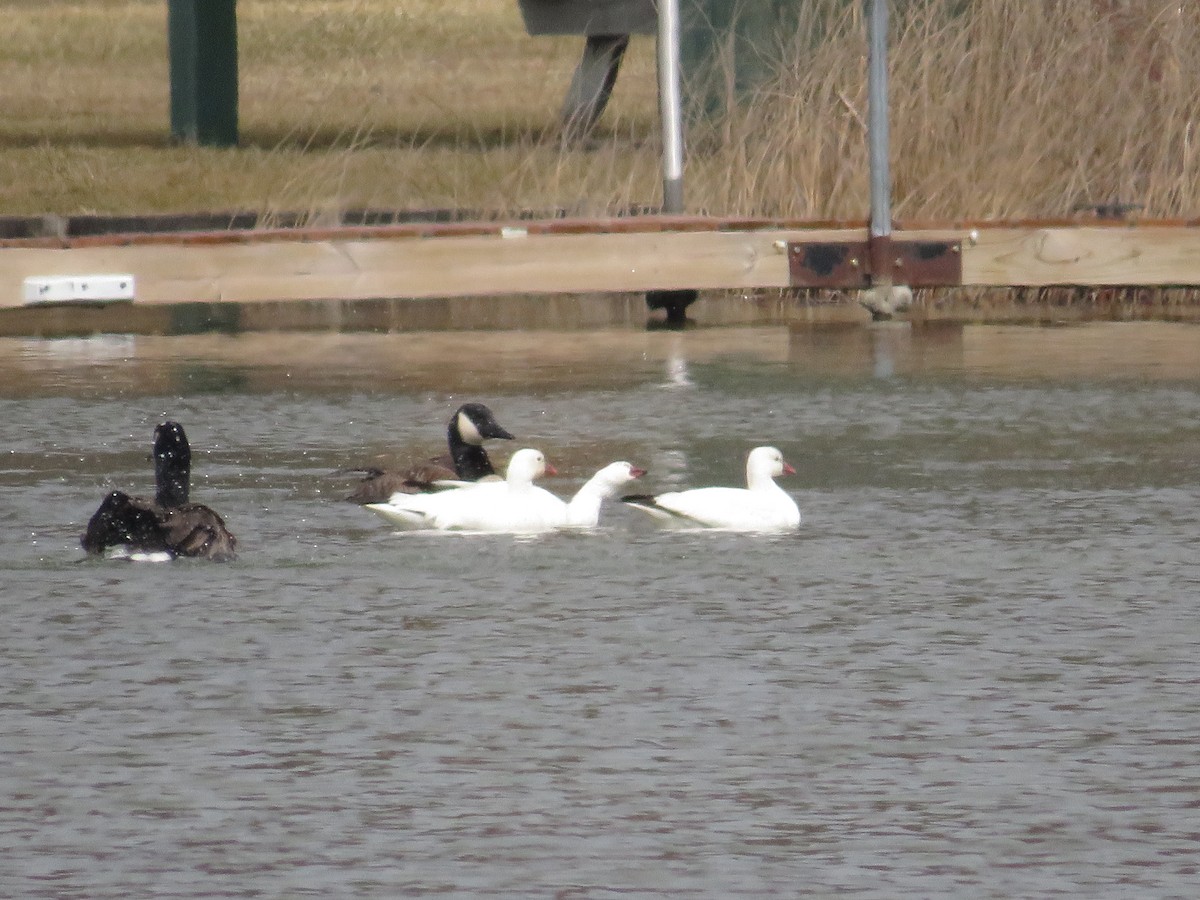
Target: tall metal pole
<point>670,105</point>
<point>877,120</point>
<point>885,297</point>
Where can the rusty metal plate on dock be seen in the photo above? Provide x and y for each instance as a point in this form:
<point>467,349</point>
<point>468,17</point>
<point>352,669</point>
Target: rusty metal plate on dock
<point>848,264</point>
<point>828,264</point>
<point>927,263</point>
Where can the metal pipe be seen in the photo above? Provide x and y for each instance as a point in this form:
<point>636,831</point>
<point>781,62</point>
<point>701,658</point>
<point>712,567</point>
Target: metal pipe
<point>877,119</point>
<point>670,105</point>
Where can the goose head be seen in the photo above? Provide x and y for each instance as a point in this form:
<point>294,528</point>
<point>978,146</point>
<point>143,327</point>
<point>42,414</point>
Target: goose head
<point>614,476</point>
<point>527,465</point>
<point>172,465</point>
<point>473,423</point>
<point>765,464</point>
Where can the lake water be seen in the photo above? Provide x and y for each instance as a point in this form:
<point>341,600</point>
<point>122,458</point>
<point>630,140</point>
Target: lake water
<point>974,672</point>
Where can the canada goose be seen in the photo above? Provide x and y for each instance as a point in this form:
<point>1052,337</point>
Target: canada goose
<point>168,524</point>
<point>470,426</point>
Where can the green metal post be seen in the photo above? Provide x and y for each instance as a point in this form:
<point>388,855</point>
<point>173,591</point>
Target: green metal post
<point>202,42</point>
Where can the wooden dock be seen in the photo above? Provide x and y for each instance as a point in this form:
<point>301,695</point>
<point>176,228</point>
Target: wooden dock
<point>558,258</point>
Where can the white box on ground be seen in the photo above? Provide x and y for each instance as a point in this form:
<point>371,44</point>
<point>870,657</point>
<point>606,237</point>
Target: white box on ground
<point>65,288</point>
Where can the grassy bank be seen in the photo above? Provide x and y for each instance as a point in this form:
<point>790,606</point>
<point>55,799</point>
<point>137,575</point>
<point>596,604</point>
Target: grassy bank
<point>1006,108</point>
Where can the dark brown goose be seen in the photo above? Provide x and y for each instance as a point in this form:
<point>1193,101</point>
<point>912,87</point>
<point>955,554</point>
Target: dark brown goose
<point>168,524</point>
<point>470,426</point>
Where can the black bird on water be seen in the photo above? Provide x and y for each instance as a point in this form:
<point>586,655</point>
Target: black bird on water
<point>169,523</point>
<point>470,426</point>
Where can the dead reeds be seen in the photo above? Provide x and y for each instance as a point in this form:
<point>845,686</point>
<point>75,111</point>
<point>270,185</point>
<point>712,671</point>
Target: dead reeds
<point>1002,108</point>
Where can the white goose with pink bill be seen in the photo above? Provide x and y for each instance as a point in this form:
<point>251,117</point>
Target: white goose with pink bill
<point>761,506</point>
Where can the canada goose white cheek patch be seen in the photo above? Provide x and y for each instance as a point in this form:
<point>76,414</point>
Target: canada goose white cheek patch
<point>468,431</point>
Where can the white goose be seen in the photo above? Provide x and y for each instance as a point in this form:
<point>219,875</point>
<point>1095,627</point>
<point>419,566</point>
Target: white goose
<point>584,509</point>
<point>513,505</point>
<point>760,506</point>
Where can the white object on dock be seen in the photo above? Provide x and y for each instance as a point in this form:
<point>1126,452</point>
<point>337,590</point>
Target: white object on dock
<point>68,288</point>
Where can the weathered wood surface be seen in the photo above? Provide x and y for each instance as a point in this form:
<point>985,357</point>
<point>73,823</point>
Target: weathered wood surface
<point>1100,256</point>
<point>564,257</point>
<point>514,261</point>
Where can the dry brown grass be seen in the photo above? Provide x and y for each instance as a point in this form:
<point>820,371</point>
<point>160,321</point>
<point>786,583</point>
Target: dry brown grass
<point>1002,109</point>
<point>1010,108</point>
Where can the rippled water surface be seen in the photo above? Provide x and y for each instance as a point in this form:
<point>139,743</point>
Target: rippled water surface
<point>974,672</point>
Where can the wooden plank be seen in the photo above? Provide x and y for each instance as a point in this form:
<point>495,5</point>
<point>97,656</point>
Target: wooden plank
<point>451,266</point>
<point>567,258</point>
<point>1100,256</point>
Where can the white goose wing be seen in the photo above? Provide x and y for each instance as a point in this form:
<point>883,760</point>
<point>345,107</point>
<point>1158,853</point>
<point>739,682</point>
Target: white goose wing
<point>411,512</point>
<point>503,511</point>
<point>735,509</point>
